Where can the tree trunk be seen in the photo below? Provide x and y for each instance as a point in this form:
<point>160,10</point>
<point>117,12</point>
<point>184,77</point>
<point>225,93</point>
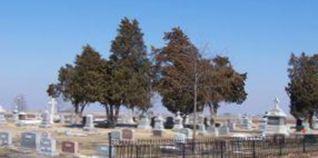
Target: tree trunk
<point>310,120</point>
<point>82,110</point>
<point>116,113</point>
<point>111,116</point>
<point>107,111</point>
<point>76,109</point>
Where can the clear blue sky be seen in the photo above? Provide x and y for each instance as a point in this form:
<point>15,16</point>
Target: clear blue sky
<point>38,37</point>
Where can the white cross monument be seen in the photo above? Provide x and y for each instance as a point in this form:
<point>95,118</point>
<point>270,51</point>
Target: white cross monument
<point>52,109</point>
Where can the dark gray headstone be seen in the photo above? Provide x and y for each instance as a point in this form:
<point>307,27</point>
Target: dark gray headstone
<point>29,140</point>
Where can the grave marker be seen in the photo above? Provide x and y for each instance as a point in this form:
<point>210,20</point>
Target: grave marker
<point>89,123</point>
<point>47,146</point>
<point>5,139</point>
<point>127,134</point>
<point>70,147</point>
<point>30,140</point>
<point>103,151</point>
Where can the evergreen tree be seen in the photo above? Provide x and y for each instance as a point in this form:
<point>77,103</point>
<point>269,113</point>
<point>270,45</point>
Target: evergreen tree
<point>186,80</point>
<point>303,85</point>
<point>78,83</point>
<point>128,71</point>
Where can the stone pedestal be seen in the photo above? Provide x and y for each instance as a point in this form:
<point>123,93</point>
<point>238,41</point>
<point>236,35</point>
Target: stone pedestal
<point>45,123</point>
<point>158,127</point>
<point>178,122</point>
<point>276,121</point>
<point>201,125</point>
<point>144,123</point>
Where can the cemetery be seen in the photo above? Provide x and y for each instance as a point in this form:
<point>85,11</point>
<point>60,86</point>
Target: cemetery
<point>216,80</point>
<point>273,134</point>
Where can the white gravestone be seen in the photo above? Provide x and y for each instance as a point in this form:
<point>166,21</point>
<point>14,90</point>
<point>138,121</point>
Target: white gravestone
<point>52,105</point>
<point>224,130</point>
<point>47,146</point>
<point>247,123</point>
<point>212,130</point>
<point>178,122</point>
<point>16,115</point>
<point>180,138</point>
<point>201,125</point>
<point>2,118</point>
<point>89,123</point>
<point>103,151</point>
<point>5,139</point>
<point>262,125</point>
<point>315,122</point>
<point>45,123</point>
<point>116,135</point>
<point>232,126</point>
<point>159,121</point>
<point>158,127</point>
<point>144,122</point>
<point>187,132</point>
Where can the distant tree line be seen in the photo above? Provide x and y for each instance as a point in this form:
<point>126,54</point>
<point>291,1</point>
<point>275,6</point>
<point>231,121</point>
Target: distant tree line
<point>130,76</point>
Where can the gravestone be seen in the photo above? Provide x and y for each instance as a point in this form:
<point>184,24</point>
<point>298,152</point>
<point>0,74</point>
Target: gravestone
<point>152,121</point>
<point>212,130</point>
<point>47,146</point>
<point>201,125</point>
<point>70,147</point>
<point>30,140</point>
<point>247,123</point>
<point>180,138</point>
<point>103,151</point>
<point>2,118</point>
<point>186,120</point>
<point>159,123</point>
<point>158,126</point>
<point>207,122</point>
<point>5,139</point>
<point>16,114</point>
<point>144,122</point>
<point>116,135</point>
<point>315,122</point>
<point>276,121</point>
<point>169,123</point>
<point>62,119</point>
<point>187,132</point>
<point>52,107</point>
<point>178,122</point>
<point>45,123</point>
<point>89,123</point>
<point>224,130</point>
<point>262,124</point>
<point>231,125</point>
<point>127,134</point>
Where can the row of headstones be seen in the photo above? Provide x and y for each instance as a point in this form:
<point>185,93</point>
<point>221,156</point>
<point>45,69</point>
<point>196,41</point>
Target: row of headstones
<point>42,143</point>
<point>89,121</point>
